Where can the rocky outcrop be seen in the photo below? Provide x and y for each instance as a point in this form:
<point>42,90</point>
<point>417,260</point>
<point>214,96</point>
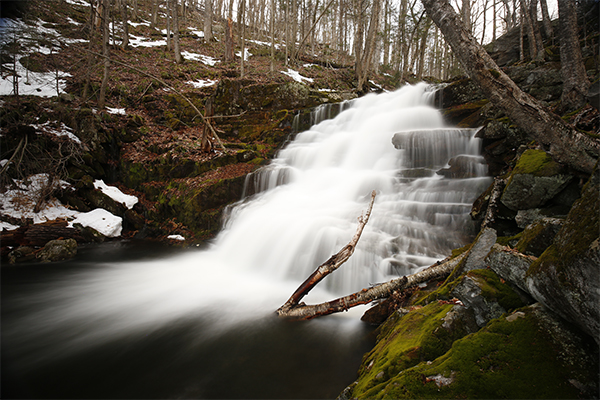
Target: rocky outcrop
<point>566,277</point>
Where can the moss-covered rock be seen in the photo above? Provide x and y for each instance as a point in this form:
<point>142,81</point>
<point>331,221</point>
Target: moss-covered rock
<point>512,357</point>
<point>566,277</point>
<point>405,341</point>
<point>535,180</point>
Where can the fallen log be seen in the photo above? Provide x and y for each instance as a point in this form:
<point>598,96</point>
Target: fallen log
<point>293,309</point>
<point>330,265</point>
<point>366,296</point>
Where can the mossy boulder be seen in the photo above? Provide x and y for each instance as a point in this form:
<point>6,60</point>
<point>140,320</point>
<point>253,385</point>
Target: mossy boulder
<point>566,277</point>
<point>535,180</point>
<point>406,340</point>
<point>58,250</point>
<point>509,265</point>
<point>514,356</point>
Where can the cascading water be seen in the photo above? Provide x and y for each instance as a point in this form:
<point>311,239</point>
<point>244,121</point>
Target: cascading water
<point>302,209</point>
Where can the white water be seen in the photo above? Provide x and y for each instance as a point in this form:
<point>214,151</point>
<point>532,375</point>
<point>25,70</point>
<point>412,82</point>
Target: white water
<point>306,209</point>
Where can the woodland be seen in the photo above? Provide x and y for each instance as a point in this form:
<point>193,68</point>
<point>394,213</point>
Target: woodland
<point>174,103</point>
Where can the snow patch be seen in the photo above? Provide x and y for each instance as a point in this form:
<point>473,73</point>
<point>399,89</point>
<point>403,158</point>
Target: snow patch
<point>101,220</point>
<point>78,3</point>
<point>63,130</point>
<point>117,111</point>
<point>175,237</point>
<point>115,194</point>
<point>20,202</point>
<point>140,41</point>
<point>196,32</point>
<point>199,57</point>
<point>200,83</point>
<point>136,24</point>
<point>7,226</point>
<point>295,75</point>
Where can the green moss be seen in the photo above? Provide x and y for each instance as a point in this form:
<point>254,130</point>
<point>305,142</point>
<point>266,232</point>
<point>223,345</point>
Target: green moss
<point>405,341</point>
<point>509,240</point>
<point>503,360</point>
<point>536,162</point>
<point>494,290</point>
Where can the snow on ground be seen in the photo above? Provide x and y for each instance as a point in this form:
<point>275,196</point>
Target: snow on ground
<point>295,75</point>
<point>43,84</point>
<point>136,24</point>
<point>140,41</point>
<point>20,202</point>
<point>277,45</point>
<point>200,83</point>
<point>199,57</point>
<point>175,237</point>
<point>117,111</point>
<point>196,31</point>
<point>63,130</point>
<point>115,194</point>
<point>78,3</point>
<point>101,220</point>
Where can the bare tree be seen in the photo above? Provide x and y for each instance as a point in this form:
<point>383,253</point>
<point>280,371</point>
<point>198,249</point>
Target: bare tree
<point>561,140</point>
<point>105,53</point>
<point>125,18</point>
<point>546,20</point>
<point>575,80</point>
<point>208,18</point>
<point>176,49</point>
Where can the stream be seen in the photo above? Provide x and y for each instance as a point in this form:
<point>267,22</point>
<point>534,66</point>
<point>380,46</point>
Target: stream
<point>139,320</point>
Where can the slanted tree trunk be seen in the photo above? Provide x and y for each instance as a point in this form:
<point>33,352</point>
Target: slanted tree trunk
<point>575,80</point>
<point>565,144</point>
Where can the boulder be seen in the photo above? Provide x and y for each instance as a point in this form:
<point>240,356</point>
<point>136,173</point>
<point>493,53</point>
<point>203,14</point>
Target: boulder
<point>535,180</point>
<point>486,295</point>
<point>58,250</point>
<point>480,249</point>
<point>538,236</point>
<point>21,254</point>
<point>509,265</point>
<point>566,277</point>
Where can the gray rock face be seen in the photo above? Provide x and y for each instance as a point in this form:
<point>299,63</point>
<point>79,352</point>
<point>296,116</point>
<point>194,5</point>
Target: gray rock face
<point>538,236</point>
<point>526,191</point>
<point>58,250</point>
<point>566,277</point>
<point>481,248</point>
<point>509,265</point>
<point>469,292</point>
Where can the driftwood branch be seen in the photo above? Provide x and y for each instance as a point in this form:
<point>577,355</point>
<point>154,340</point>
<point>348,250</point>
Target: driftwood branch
<point>328,266</point>
<point>376,292</point>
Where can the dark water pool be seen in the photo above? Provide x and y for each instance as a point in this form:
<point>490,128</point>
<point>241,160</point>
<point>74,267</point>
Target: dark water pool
<point>187,357</point>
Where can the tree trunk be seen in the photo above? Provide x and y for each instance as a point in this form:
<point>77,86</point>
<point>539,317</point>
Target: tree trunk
<point>208,17</point>
<point>125,41</point>
<point>229,47</point>
<point>466,14</point>
<point>102,96</point>
<point>528,26</point>
<point>565,144</point>
<point>546,20</point>
<point>177,51</point>
<point>242,18</point>
<point>272,33</point>
<point>575,80</point>
<point>154,19</point>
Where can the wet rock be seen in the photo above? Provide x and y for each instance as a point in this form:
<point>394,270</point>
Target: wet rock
<point>566,277</point>
<point>535,180</point>
<point>58,250</point>
<point>21,254</point>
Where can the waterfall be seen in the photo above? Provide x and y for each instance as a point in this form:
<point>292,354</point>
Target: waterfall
<point>304,205</point>
<point>303,208</point>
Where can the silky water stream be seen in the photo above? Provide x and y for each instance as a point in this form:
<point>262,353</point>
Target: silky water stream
<point>130,320</point>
